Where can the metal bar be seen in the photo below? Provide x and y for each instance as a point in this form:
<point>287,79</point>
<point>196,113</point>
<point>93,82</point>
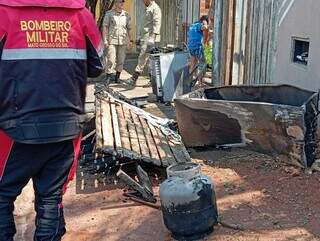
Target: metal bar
<point>135,186</point>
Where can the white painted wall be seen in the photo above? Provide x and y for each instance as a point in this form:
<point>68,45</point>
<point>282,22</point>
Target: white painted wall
<point>299,18</point>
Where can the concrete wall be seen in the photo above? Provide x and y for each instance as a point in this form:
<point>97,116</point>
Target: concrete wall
<point>299,18</point>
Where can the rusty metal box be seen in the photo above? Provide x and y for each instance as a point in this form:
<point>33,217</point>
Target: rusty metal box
<point>277,120</point>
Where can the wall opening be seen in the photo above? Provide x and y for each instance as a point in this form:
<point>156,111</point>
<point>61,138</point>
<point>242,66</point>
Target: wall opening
<point>300,51</point>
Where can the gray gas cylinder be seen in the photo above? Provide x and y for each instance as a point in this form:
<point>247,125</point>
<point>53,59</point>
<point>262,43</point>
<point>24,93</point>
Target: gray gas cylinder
<point>188,202</point>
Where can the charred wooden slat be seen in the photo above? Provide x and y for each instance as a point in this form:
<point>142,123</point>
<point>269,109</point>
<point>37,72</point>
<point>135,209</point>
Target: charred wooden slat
<point>141,137</point>
<point>168,158</point>
<point>135,148</point>
<point>154,155</point>
<point>144,179</point>
<point>107,128</point>
<point>157,141</point>
<point>99,136</point>
<point>124,133</point>
<point>179,151</point>
<point>116,129</point>
<point>146,194</point>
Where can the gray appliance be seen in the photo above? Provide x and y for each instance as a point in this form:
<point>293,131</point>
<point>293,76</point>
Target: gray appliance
<point>167,72</point>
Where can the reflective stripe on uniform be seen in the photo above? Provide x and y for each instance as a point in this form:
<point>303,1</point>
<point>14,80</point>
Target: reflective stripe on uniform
<point>2,37</point>
<point>43,53</point>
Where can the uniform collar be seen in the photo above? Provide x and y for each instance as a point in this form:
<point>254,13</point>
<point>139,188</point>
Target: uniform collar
<point>151,4</point>
<point>122,12</point>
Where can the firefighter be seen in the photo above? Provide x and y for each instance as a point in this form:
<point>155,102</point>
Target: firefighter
<point>116,33</point>
<point>47,51</point>
<point>149,37</point>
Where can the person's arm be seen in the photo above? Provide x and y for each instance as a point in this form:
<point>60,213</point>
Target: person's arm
<point>157,16</point>
<point>95,47</point>
<point>205,31</point>
<point>105,30</point>
<point>129,29</point>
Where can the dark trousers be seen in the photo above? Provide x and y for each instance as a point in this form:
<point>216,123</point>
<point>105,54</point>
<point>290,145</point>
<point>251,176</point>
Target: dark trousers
<point>50,166</point>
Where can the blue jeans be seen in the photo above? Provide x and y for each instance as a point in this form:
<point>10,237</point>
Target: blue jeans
<point>197,52</point>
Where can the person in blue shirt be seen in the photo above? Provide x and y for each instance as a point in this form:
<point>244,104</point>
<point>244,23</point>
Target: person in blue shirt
<point>195,41</point>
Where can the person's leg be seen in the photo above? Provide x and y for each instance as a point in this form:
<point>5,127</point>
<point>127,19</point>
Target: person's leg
<point>192,65</point>
<point>111,62</point>
<point>50,184</point>
<point>121,56</point>
<point>202,66</point>
<point>143,57</point>
<point>197,66</point>
<point>142,61</point>
<point>15,172</point>
<point>192,62</point>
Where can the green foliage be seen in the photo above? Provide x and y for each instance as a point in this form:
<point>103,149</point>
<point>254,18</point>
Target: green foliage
<point>208,54</point>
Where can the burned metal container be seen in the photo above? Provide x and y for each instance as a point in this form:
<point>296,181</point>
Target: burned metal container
<point>188,202</point>
<point>166,74</point>
<point>272,119</point>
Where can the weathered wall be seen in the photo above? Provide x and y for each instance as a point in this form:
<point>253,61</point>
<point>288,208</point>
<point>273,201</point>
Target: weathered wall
<point>301,20</point>
<point>245,43</point>
<point>129,7</point>
<point>261,47</point>
<point>205,7</point>
<point>169,24</point>
<point>176,17</point>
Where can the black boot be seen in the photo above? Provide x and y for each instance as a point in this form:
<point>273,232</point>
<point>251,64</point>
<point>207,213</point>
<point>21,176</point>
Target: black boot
<point>112,78</point>
<point>117,78</point>
<point>133,79</point>
<point>107,80</point>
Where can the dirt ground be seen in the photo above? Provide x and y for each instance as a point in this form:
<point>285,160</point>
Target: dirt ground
<point>270,200</point>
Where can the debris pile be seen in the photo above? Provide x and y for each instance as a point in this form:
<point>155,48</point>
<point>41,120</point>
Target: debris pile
<point>121,133</point>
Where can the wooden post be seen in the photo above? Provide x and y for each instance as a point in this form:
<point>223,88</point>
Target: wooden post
<point>272,54</point>
<point>248,43</point>
<point>217,42</point>
<point>230,42</point>
<point>261,40</point>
